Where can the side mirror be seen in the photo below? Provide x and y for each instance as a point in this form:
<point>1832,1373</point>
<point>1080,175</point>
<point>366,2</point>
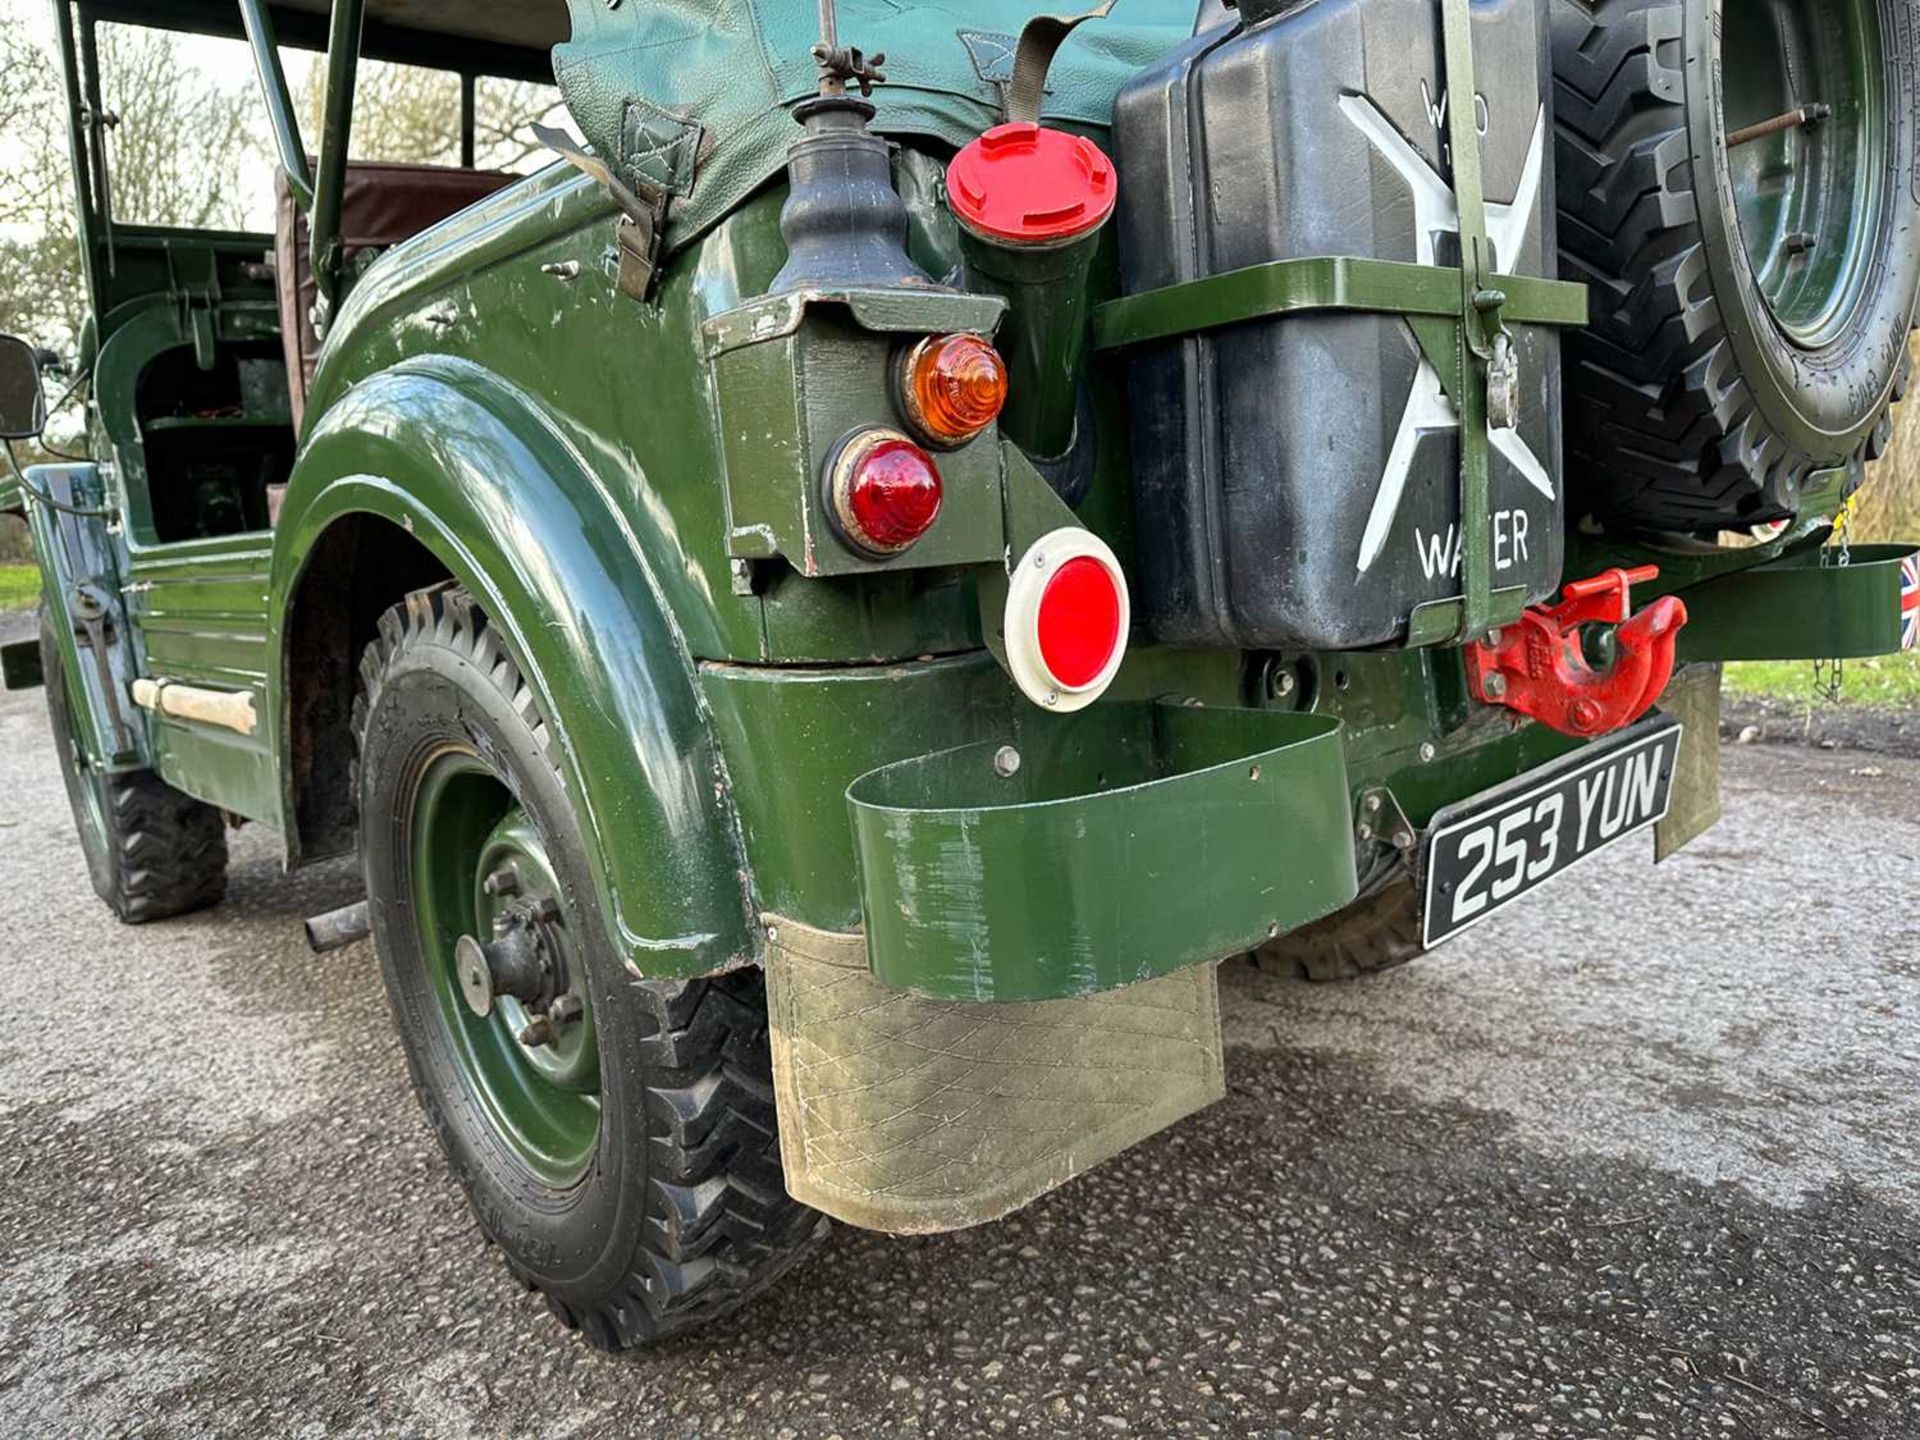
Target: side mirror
<point>23,406</point>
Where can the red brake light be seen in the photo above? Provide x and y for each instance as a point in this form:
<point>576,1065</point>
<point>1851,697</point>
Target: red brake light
<point>1079,622</point>
<point>952,387</point>
<point>883,491</point>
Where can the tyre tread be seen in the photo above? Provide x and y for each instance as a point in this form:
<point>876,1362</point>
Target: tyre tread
<point>718,1224</point>
<point>1663,432</point>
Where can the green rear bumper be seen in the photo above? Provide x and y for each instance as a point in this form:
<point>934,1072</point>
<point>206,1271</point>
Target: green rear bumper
<point>1100,849</point>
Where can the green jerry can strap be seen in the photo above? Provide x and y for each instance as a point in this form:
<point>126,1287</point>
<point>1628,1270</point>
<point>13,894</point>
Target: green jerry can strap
<point>1459,315</point>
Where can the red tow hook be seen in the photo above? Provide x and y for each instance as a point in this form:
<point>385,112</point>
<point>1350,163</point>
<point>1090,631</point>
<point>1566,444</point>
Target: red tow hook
<point>1538,667</point>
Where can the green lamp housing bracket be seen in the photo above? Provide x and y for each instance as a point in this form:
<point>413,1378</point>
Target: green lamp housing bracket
<point>795,373</point>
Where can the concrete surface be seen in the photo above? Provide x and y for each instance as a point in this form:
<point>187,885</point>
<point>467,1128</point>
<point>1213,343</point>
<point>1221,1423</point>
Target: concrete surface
<point>1637,1160</point>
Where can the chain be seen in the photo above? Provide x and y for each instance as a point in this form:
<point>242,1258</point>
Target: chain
<point>1829,676</point>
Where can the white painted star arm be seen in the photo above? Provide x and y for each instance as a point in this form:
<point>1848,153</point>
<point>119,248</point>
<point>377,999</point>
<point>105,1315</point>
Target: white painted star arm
<point>1509,444</point>
<point>1428,410</point>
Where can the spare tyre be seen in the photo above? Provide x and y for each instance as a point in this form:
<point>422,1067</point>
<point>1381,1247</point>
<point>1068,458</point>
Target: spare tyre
<point>1738,186</point>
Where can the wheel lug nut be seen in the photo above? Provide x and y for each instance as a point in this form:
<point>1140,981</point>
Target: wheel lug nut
<point>566,1009</point>
<point>545,909</point>
<point>504,881</point>
<point>539,1032</point>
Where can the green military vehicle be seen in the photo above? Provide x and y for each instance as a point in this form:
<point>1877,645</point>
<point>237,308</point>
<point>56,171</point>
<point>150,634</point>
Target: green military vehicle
<point>827,610</point>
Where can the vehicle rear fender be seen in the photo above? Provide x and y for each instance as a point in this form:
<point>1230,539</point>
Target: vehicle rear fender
<point>474,471</point>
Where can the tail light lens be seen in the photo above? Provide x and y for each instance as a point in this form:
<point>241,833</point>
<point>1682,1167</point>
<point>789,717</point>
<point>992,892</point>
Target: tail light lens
<point>883,491</point>
<point>1066,619</point>
<point>952,387</point>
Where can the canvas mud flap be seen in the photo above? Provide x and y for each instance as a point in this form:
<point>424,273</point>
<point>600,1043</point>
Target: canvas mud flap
<point>1692,697</point>
<point>910,1115</point>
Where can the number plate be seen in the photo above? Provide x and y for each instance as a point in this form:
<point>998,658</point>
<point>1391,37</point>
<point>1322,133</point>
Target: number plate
<point>1494,848</point>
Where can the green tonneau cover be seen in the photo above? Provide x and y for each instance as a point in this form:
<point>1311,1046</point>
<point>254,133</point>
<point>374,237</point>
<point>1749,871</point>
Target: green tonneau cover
<point>693,94</point>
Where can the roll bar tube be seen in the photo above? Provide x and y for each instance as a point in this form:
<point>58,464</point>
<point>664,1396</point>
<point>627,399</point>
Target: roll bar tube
<point>279,100</point>
<point>79,154</point>
<point>343,60</point>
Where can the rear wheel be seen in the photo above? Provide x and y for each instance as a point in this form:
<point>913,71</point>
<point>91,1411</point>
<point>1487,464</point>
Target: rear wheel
<point>616,1136</point>
<point>152,851</point>
<point>1374,933</point>
<point>1735,188</point>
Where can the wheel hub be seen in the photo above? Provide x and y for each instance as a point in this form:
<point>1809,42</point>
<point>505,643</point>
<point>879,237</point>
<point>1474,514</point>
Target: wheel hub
<point>1804,126</point>
<point>525,959</point>
<point>505,964</point>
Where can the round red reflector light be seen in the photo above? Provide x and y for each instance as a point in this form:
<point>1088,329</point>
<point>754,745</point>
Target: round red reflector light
<point>952,387</point>
<point>883,491</point>
<point>1079,622</point>
<point>1066,619</point>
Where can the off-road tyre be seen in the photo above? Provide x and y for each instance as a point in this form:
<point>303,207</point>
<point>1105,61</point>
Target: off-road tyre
<point>1688,408</point>
<point>1376,932</point>
<point>683,1212</point>
<point>152,851</point>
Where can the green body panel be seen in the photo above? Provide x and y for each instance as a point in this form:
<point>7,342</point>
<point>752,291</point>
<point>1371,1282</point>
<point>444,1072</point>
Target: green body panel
<point>1131,840</point>
<point>795,738</point>
<point>479,473</point>
<point>657,87</point>
<point>199,615</point>
<point>1808,606</point>
<point>626,387</point>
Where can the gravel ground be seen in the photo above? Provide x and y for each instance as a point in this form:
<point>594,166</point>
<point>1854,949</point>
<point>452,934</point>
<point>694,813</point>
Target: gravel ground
<point>1637,1160</point>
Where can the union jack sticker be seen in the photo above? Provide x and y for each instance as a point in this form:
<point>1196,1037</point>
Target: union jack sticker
<point>1910,602</point>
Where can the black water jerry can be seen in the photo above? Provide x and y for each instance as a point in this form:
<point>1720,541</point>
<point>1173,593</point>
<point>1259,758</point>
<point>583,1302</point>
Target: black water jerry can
<point>1297,478</point>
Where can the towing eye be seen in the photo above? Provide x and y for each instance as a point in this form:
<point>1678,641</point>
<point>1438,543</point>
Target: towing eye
<point>1539,667</point>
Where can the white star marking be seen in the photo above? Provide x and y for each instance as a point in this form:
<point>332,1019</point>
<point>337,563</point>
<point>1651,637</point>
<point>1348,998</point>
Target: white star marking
<point>1437,213</point>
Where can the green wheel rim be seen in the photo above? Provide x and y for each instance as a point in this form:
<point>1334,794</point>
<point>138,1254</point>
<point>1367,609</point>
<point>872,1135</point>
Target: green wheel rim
<point>1809,198</point>
<point>543,1101</point>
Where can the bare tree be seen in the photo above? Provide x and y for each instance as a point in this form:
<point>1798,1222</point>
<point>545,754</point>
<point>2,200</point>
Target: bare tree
<point>412,115</point>
<point>1889,504</point>
<point>178,143</point>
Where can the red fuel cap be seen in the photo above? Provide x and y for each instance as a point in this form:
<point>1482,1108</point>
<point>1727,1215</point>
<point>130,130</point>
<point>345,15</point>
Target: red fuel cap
<point>1029,185</point>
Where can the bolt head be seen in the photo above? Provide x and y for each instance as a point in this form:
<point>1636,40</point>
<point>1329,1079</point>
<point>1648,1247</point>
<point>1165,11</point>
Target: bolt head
<point>1495,685</point>
<point>539,1032</point>
<point>1006,762</point>
<point>1366,831</point>
<point>504,881</point>
<point>1427,752</point>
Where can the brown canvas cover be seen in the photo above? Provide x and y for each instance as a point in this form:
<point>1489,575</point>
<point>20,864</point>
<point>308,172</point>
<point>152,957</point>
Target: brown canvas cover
<point>381,205</point>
